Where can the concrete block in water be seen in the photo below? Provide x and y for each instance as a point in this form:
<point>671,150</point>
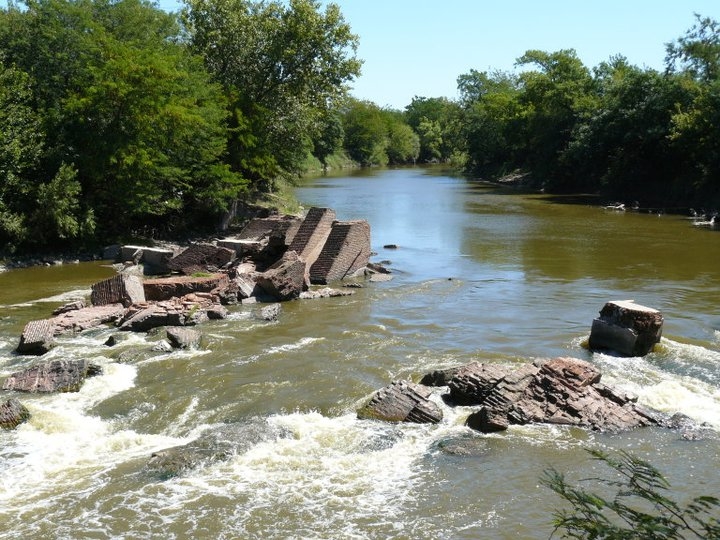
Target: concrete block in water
<point>123,289</point>
<point>626,328</point>
<point>312,234</point>
<point>38,337</point>
<point>346,250</point>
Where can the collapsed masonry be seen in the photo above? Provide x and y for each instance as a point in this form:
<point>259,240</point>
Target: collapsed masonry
<point>331,249</point>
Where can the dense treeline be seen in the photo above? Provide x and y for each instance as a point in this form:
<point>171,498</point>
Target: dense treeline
<point>627,133</point>
<point>119,119</point>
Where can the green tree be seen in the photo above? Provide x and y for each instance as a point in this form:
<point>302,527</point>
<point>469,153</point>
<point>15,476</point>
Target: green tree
<point>635,507</point>
<point>403,143</point>
<point>365,133</point>
<point>37,205</point>
<point>494,122</point>
<point>129,117</point>
<point>283,65</point>
<point>695,59</point>
<point>697,53</point>
<point>557,95</point>
<point>330,137</point>
<point>437,122</point>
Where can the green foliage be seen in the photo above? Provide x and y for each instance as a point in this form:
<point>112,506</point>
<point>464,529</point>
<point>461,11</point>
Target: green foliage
<point>627,133</point>
<point>283,66</point>
<point>697,53</point>
<point>639,507</point>
<point>119,114</point>
<point>437,123</point>
<point>403,143</point>
<point>365,133</point>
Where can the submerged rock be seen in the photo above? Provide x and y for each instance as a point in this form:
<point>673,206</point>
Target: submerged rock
<point>12,414</point>
<point>269,313</point>
<point>183,338</point>
<point>325,292</point>
<point>213,445</point>
<point>402,401</point>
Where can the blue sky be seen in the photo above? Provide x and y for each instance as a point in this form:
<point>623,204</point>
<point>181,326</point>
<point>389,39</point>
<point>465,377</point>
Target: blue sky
<point>419,47</point>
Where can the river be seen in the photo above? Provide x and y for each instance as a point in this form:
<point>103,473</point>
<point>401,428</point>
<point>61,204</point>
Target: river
<point>480,273</point>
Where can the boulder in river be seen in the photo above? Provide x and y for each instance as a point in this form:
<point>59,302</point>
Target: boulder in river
<point>402,401</point>
<point>181,337</point>
<point>12,414</point>
<point>88,317</point>
<point>214,445</point>
<point>626,328</point>
<point>559,391</point>
<point>54,376</point>
<point>284,280</point>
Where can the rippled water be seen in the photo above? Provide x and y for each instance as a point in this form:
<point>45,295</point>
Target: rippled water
<point>479,274</point>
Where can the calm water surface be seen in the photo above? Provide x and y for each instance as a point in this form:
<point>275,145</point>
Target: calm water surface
<point>479,274</point>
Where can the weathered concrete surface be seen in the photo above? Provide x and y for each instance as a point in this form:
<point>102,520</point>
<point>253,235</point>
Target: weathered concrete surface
<point>285,280</point>
<point>122,289</point>
<point>627,328</point>
<point>88,317</point>
<point>70,306</point>
<point>559,391</point>
<point>166,288</point>
<point>402,401</point>
<point>12,414</point>
<point>346,251</point>
<point>263,228</point>
<point>37,338</point>
<point>201,258</point>
<point>183,311</point>
<point>241,246</point>
<point>183,338</point>
<point>312,234</point>
<point>54,376</point>
<point>325,292</point>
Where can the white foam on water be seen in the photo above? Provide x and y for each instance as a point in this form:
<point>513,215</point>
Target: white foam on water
<point>175,354</point>
<point>663,390</point>
<point>324,469</point>
<point>65,297</point>
<point>69,296</point>
<point>301,343</point>
<point>63,445</point>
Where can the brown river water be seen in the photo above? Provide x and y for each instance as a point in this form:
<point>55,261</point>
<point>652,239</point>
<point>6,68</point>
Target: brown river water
<point>480,273</point>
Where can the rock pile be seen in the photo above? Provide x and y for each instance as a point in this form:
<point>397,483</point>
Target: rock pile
<point>563,391</point>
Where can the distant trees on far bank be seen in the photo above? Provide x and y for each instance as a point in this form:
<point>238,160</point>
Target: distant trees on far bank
<point>625,132</point>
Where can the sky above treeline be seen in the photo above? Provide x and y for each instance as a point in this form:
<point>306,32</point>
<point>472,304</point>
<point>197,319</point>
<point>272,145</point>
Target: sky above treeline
<point>419,47</point>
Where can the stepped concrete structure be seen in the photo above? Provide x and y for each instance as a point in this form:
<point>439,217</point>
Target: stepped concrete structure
<point>123,289</point>
<point>346,251</point>
<point>312,234</point>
